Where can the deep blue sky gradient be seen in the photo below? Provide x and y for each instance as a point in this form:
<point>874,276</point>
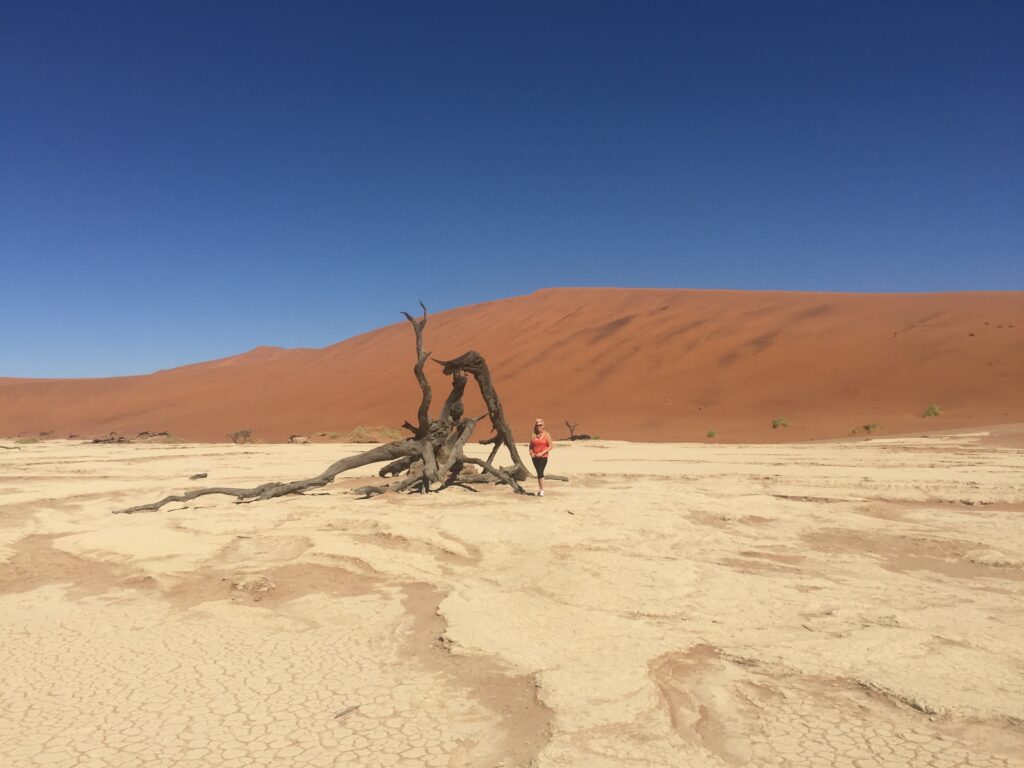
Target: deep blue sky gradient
<point>184,181</point>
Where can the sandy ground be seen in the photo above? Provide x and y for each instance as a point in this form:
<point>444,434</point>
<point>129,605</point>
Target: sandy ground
<point>843,604</point>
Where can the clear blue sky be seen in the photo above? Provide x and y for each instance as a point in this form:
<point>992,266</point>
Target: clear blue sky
<point>182,181</point>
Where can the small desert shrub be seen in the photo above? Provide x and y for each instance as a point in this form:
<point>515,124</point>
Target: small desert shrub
<point>26,440</point>
<point>865,429</point>
<point>363,434</point>
<point>931,410</point>
<point>241,436</point>
<point>776,423</point>
<point>712,433</point>
<point>360,434</point>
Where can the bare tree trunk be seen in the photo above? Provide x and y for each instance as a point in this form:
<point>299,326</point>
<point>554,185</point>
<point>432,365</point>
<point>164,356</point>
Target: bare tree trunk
<point>423,415</point>
<point>474,364</point>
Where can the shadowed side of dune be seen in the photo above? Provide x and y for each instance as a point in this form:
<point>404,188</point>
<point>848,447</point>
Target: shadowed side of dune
<point>633,364</point>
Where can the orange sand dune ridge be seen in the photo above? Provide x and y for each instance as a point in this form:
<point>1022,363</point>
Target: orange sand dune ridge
<point>630,364</point>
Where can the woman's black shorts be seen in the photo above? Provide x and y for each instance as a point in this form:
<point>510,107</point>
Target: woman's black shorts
<point>539,462</point>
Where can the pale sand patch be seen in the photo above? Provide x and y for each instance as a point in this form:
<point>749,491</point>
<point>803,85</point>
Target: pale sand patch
<point>842,604</point>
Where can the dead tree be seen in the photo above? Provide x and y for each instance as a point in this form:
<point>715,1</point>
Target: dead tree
<point>572,431</point>
<point>432,459</point>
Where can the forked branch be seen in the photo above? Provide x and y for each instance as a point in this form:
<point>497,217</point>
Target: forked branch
<point>423,415</point>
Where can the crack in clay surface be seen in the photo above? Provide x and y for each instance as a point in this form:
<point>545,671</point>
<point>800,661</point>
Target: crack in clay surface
<point>752,715</point>
<point>238,686</point>
<point>702,606</point>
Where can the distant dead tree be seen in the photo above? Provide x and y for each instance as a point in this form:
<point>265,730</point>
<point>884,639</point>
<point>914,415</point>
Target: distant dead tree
<point>241,436</point>
<point>431,460</point>
<point>572,431</point>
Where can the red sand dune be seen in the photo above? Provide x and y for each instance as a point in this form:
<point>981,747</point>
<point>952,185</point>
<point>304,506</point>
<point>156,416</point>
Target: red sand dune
<point>662,365</point>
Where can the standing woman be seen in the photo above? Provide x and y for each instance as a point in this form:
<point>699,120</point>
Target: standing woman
<point>540,447</point>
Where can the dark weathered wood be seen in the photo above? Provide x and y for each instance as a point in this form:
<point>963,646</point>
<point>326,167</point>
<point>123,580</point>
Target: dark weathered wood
<point>473,363</point>
<point>451,452</point>
<point>397,467</point>
<point>503,476</point>
<point>273,490</point>
<point>453,408</point>
<point>423,415</point>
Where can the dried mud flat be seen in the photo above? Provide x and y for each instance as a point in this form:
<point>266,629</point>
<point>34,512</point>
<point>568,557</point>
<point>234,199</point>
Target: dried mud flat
<point>842,604</point>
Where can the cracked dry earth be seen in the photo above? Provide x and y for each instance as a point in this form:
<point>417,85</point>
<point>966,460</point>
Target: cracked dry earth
<point>844,604</point>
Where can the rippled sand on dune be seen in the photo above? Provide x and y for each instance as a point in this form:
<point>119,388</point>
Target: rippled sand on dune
<point>843,604</point>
